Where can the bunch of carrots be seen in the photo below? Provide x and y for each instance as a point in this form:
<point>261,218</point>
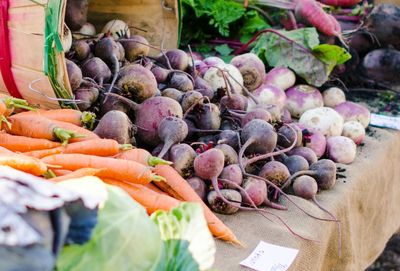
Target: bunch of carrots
<point>54,144</point>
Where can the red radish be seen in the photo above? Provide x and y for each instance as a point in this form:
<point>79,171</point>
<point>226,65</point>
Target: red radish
<point>171,130</point>
<point>354,130</point>
<point>276,172</point>
<point>138,82</point>
<point>301,98</point>
<point>333,96</point>
<point>182,157</point>
<point>199,186</point>
<point>257,113</point>
<point>256,191</point>
<point>280,77</point>
<point>178,59</point>
<point>231,156</point>
<point>340,3</point>
<point>323,119</point>
<point>341,149</point>
<point>352,111</point>
<point>252,69</point>
<point>232,173</point>
<point>305,152</point>
<point>269,95</point>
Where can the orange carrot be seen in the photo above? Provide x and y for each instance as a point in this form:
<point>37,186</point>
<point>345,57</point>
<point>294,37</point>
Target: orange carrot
<point>12,103</point>
<point>24,144</point>
<point>72,116</point>
<point>155,188</point>
<point>23,163</point>
<point>146,197</point>
<point>77,174</point>
<point>174,182</point>
<point>79,130</point>
<point>37,127</point>
<point>61,172</point>
<point>142,157</point>
<point>5,150</point>
<point>124,170</point>
<point>98,147</point>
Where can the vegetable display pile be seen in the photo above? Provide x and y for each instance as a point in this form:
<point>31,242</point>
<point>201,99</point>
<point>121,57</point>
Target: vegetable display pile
<point>187,134</point>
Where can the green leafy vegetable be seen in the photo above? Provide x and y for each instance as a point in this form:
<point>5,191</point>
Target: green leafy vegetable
<point>188,244</point>
<point>224,52</point>
<point>124,239</point>
<point>300,51</point>
<point>252,23</point>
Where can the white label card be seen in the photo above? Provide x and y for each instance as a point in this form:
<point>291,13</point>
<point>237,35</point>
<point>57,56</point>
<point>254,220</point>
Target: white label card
<point>385,121</point>
<point>268,257</point>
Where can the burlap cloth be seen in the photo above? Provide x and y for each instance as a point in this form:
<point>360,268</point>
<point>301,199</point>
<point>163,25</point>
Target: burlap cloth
<point>367,202</point>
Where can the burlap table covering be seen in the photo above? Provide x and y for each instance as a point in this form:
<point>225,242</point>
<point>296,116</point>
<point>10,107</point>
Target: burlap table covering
<point>367,202</point>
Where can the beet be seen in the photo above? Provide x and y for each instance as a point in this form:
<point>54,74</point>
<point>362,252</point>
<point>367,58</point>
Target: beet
<point>232,173</point>
<point>181,82</point>
<point>276,172</point>
<point>230,138</point>
<point>233,101</point>
<point>86,96</point>
<point>190,98</point>
<point>138,82</point>
<point>136,46</point>
<point>257,113</point>
<point>305,152</point>
<point>203,87</point>
<point>259,137</point>
<point>108,50</point>
<point>74,74</point>
<point>218,205</point>
<point>231,156</point>
<point>81,50</point>
<point>160,74</point>
<point>198,186</point>
<point>182,157</point>
<point>172,93</point>
<point>76,13</point>
<point>208,117</point>
<point>287,135</point>
<point>115,125</point>
<point>178,59</point>
<point>96,69</point>
<point>171,130</point>
<point>295,163</point>
<point>382,65</point>
<point>256,190</point>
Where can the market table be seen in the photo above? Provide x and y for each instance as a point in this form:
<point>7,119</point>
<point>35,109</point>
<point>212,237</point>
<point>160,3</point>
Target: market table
<point>367,202</point>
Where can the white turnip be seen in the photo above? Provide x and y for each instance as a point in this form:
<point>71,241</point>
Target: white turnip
<point>117,28</point>
<point>333,96</point>
<point>353,111</point>
<point>252,69</point>
<point>323,119</point>
<point>224,76</point>
<point>268,95</point>
<point>281,77</point>
<point>354,130</point>
<point>341,149</point>
<point>301,98</point>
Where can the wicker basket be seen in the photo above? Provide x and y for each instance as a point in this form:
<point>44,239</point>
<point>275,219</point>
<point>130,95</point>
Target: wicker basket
<point>32,63</point>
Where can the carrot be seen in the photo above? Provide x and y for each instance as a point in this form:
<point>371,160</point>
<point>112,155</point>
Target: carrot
<point>11,103</point>
<point>174,182</point>
<point>38,127</point>
<point>23,163</point>
<point>5,150</point>
<point>155,188</point>
<point>61,172</point>
<point>79,130</point>
<point>146,197</point>
<point>72,116</point>
<point>77,174</point>
<point>123,170</point>
<point>99,147</point>
<point>142,157</point>
<point>23,143</point>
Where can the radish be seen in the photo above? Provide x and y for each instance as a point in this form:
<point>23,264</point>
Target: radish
<point>198,186</point>
<point>252,69</point>
<point>257,113</point>
<point>281,77</point>
<point>177,58</point>
<point>218,204</point>
<point>230,155</point>
<point>180,81</point>
<point>171,130</point>
<point>333,96</point>
<point>136,46</point>
<point>354,130</point>
<point>96,69</point>
<point>232,173</point>
<point>341,149</point>
<point>276,172</point>
<point>74,74</point>
<point>256,190</point>
<point>115,125</point>
<point>182,157</point>
<point>224,76</point>
<point>301,98</point>
<point>323,119</point>
<point>269,95</point>
<point>138,82</point>
<point>173,94</point>
<point>304,152</point>
<point>352,111</point>
<point>117,28</point>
